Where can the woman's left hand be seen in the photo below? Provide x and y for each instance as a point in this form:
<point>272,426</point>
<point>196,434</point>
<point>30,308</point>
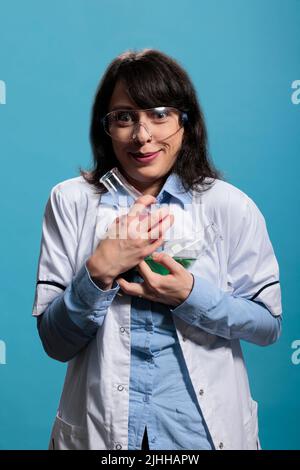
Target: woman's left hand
<point>171,289</point>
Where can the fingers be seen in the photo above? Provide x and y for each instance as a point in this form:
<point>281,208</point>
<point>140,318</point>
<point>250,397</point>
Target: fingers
<point>131,288</point>
<point>164,225</point>
<point>145,270</point>
<point>152,228</point>
<point>159,230</point>
<point>154,245</point>
<point>167,261</point>
<point>161,223</point>
<point>153,220</point>
<point>140,204</point>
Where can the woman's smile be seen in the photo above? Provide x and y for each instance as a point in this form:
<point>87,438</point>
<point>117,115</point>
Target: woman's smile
<point>144,158</point>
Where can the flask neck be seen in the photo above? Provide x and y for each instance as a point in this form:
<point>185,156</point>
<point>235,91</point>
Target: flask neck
<point>119,187</point>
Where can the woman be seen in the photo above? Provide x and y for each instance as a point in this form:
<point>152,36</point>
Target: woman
<point>154,361</point>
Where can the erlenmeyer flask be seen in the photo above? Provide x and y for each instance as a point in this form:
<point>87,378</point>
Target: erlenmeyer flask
<point>118,186</point>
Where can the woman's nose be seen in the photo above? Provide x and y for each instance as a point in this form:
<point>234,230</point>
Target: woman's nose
<point>141,133</point>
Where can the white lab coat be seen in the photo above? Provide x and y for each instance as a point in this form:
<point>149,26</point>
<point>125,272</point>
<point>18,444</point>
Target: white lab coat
<point>93,409</point>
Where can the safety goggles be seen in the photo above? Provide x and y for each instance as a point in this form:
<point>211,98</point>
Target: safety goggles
<point>161,123</point>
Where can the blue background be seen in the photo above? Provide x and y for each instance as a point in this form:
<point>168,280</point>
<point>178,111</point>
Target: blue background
<point>242,56</point>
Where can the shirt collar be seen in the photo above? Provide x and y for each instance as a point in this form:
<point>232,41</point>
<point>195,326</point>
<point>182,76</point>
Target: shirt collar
<point>172,187</point>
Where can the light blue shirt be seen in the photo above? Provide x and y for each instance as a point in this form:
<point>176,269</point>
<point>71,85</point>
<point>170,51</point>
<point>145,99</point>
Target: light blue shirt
<point>161,394</point>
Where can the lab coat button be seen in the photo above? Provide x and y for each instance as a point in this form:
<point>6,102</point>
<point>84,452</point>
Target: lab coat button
<point>120,388</point>
<point>118,446</point>
<point>183,338</point>
<point>201,391</point>
<point>122,329</point>
<point>221,445</point>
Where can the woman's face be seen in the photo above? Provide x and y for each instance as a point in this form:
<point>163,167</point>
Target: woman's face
<point>148,176</point>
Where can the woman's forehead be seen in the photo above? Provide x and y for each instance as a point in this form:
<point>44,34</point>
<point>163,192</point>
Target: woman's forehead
<point>120,98</point>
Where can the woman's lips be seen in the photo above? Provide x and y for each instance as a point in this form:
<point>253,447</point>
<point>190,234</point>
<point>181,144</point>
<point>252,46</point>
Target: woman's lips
<point>144,159</point>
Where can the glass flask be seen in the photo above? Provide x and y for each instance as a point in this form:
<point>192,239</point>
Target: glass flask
<point>183,251</point>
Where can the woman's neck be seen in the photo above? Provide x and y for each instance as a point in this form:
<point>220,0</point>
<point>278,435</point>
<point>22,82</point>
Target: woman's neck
<point>152,188</point>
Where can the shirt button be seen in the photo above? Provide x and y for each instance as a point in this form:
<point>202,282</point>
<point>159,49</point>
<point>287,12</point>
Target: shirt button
<point>120,388</point>
<point>148,327</point>
<point>221,445</point>
<point>118,446</point>
<point>201,391</point>
<point>122,329</point>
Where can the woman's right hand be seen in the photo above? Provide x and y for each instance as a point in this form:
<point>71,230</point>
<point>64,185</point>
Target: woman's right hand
<point>130,238</point>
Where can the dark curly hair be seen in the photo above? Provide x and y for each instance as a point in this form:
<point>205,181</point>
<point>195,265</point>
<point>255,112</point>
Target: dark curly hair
<point>151,77</point>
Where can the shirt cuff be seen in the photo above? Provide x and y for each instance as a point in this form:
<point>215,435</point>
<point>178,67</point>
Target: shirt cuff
<point>92,295</point>
<point>203,297</point>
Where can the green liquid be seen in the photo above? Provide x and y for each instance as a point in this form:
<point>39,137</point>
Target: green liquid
<point>159,269</point>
